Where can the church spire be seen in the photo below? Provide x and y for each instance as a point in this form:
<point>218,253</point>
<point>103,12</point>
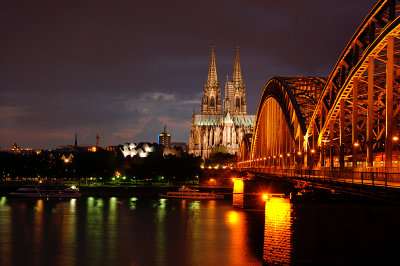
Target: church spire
<point>211,103</point>
<point>212,70</point>
<point>237,72</point>
<point>76,139</point>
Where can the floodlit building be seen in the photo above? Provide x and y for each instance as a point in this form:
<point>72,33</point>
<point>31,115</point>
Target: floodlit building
<point>220,126</point>
<point>143,149</point>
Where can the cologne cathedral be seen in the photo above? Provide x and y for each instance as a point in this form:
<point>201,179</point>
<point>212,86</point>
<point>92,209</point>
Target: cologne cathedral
<point>221,125</point>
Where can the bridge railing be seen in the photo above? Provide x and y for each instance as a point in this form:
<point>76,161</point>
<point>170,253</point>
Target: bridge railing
<point>381,179</point>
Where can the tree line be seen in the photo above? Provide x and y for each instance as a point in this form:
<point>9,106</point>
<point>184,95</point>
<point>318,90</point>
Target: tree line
<point>101,165</point>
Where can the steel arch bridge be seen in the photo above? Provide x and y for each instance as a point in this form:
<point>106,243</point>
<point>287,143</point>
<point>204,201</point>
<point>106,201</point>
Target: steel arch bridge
<point>350,120</point>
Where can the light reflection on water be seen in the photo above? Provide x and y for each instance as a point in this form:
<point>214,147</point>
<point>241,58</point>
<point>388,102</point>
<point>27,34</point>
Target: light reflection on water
<point>108,231</point>
<point>278,231</point>
<point>38,227</point>
<point>5,232</point>
<point>236,220</point>
<point>160,237</point>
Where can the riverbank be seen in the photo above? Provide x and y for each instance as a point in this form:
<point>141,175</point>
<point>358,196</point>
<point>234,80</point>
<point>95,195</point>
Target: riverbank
<point>125,191</point>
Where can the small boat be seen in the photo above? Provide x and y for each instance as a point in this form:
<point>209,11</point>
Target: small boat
<point>46,192</point>
<point>187,193</point>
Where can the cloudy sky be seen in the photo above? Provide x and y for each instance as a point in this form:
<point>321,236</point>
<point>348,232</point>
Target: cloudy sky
<point>123,68</point>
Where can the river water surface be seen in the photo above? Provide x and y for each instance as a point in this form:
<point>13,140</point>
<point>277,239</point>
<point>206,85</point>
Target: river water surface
<point>136,231</point>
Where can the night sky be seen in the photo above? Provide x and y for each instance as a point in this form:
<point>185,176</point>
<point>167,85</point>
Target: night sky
<point>123,68</point>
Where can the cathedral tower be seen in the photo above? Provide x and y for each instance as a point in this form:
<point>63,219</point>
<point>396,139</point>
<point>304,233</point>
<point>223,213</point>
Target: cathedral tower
<point>212,130</point>
<point>211,104</point>
<point>235,91</point>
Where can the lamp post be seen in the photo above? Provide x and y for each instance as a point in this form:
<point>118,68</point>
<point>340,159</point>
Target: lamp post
<point>395,144</point>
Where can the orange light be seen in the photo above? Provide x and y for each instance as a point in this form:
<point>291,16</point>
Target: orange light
<point>288,155</point>
<point>280,155</point>
<point>232,217</point>
<point>356,144</point>
<point>274,156</point>
<point>265,197</point>
<point>312,151</point>
<point>299,152</point>
<point>92,149</point>
<point>396,138</point>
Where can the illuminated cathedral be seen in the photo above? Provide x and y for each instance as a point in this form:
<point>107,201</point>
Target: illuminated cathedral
<point>221,126</point>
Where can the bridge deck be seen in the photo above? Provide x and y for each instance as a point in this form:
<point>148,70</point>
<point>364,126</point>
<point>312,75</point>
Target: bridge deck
<point>380,185</point>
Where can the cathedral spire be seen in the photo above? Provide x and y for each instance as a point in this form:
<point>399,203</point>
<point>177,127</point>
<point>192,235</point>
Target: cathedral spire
<point>237,72</point>
<point>212,80</point>
<point>211,103</point>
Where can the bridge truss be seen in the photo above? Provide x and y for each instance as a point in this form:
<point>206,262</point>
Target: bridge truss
<point>351,119</point>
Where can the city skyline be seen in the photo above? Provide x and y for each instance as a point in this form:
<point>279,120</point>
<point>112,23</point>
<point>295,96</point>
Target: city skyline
<point>123,69</point>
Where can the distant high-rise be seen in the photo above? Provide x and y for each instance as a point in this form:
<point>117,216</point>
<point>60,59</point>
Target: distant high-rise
<point>164,138</point>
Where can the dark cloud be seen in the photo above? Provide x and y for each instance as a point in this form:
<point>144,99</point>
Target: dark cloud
<point>147,132</point>
<point>123,68</point>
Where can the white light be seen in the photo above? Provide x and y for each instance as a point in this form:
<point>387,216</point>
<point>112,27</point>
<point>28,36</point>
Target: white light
<point>126,152</point>
<point>132,146</point>
<point>142,154</point>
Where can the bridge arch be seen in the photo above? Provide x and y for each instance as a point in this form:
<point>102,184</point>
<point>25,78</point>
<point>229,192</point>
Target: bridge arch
<point>352,118</point>
<point>245,148</point>
<point>358,113</point>
<point>284,110</point>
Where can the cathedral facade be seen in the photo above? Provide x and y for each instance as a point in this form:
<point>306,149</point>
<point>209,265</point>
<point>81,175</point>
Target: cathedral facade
<point>221,126</point>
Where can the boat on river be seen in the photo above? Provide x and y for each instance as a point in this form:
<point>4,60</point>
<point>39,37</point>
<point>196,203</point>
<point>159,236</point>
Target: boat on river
<point>46,192</point>
<point>188,193</point>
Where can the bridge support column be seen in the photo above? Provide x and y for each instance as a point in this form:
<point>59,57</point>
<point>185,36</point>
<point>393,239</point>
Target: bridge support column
<point>322,146</point>
<point>389,102</point>
<point>301,150</point>
<point>307,159</point>
<point>370,111</point>
<point>355,143</point>
<point>342,126</point>
<point>331,134</point>
<point>322,155</point>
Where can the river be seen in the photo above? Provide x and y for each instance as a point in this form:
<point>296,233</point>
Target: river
<point>142,231</point>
